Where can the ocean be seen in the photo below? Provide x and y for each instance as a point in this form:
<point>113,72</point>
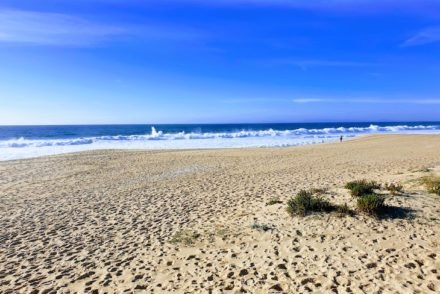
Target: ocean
<point>18,142</point>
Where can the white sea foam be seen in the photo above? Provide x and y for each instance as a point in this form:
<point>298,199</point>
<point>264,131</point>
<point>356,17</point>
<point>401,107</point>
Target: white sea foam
<point>25,148</point>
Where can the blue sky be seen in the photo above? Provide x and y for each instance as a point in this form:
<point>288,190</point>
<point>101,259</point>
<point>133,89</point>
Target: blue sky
<point>193,61</point>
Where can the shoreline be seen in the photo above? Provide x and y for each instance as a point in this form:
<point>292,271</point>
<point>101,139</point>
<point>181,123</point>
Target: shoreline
<point>335,141</point>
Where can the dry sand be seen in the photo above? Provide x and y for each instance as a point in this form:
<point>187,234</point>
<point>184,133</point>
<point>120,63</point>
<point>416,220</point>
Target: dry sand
<point>181,221</point>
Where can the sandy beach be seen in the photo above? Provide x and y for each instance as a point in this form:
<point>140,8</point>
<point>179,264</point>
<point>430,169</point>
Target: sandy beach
<point>189,221</point>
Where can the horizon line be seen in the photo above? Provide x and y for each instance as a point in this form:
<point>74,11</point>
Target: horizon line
<point>230,123</point>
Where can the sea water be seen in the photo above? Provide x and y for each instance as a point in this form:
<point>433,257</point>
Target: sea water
<point>18,142</point>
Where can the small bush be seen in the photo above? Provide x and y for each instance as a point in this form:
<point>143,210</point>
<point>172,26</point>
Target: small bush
<point>372,204</point>
<point>394,189</point>
<point>274,201</point>
<point>361,187</point>
<point>432,185</point>
<point>305,202</point>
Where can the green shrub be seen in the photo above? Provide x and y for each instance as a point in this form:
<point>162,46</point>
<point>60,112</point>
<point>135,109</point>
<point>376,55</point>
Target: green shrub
<point>432,184</point>
<point>394,189</point>
<point>372,204</point>
<point>361,187</point>
<point>305,202</point>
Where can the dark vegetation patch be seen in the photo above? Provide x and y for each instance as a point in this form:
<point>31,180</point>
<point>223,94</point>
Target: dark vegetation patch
<point>305,202</point>
<point>362,187</point>
<point>313,201</point>
<point>372,204</point>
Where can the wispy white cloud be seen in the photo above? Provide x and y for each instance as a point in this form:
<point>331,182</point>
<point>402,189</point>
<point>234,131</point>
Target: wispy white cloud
<point>311,63</point>
<point>426,36</point>
<point>427,101</point>
<point>253,100</point>
<point>307,100</point>
<point>362,6</point>
<point>366,101</point>
<point>420,7</point>
<point>17,26</point>
<point>329,100</point>
<point>57,29</point>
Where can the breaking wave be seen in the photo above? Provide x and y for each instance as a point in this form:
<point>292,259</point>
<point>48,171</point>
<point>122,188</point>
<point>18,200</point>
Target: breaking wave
<point>155,135</point>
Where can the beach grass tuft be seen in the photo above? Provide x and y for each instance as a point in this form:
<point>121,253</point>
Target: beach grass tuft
<point>372,204</point>
<point>305,202</point>
<point>362,187</point>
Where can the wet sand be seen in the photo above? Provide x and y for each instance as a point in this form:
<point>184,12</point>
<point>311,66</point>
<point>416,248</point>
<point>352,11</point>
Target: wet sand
<point>182,221</point>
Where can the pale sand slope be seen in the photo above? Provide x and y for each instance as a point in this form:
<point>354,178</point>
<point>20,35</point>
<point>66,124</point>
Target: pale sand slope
<point>102,221</point>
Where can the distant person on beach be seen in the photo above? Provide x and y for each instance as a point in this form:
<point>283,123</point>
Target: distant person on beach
<point>340,139</point>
